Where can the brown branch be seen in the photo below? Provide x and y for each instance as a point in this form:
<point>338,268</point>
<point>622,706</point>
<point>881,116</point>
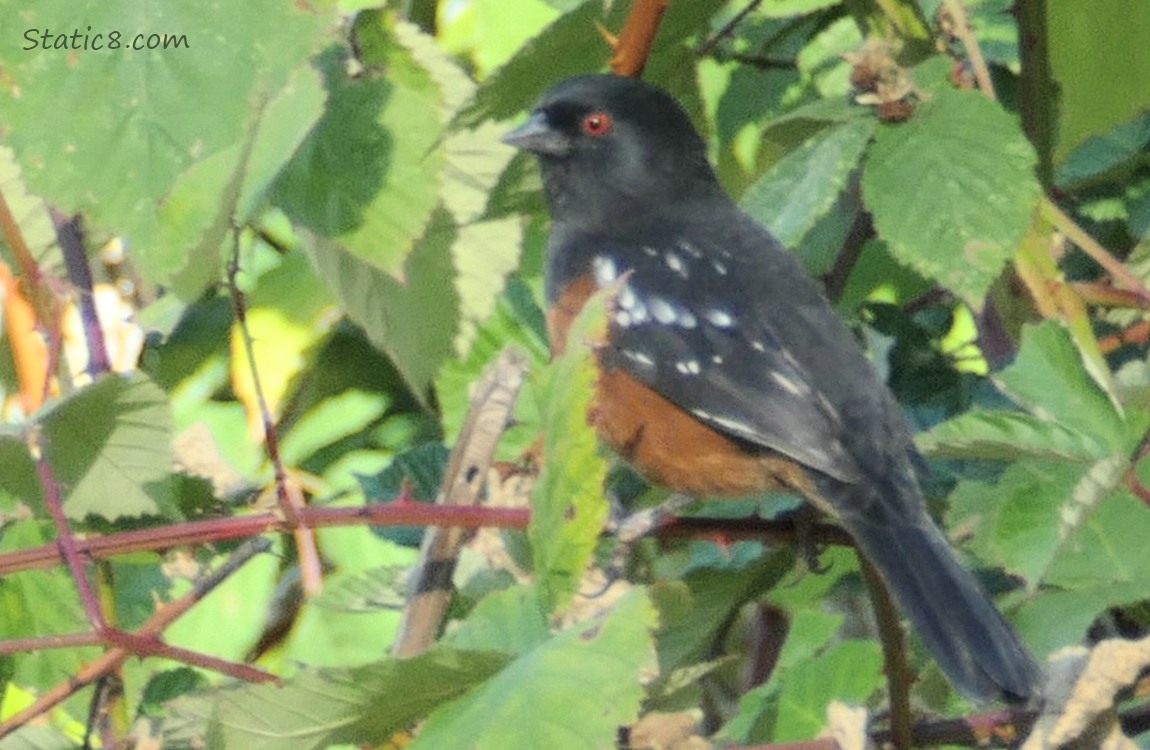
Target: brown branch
<point>152,629</point>
<point>898,675</point>
<point>491,409</point>
<point>1136,333</point>
<point>638,36</point>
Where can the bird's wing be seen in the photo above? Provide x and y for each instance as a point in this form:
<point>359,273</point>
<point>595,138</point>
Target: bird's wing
<point>687,324</point>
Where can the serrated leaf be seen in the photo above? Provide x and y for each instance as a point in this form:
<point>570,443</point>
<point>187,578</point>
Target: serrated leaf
<point>804,185</point>
<point>1007,436</point>
<point>414,322</point>
<point>368,174</point>
<point>953,190</point>
<point>568,506</point>
<point>1048,378</point>
<point>1098,552</point>
<point>360,705</point>
<point>142,117</point>
<point>110,447</point>
<point>19,481</point>
<point>511,621</point>
<point>573,691</point>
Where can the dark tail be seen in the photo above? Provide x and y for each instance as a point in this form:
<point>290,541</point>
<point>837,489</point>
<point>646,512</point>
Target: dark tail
<point>972,642</point>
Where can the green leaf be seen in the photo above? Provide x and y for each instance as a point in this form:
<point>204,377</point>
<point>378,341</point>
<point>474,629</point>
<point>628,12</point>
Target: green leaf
<point>415,321</point>
<point>850,672</point>
<point>39,602</point>
<point>484,251</point>
<point>110,447</point>
<point>368,174</point>
<point>561,51</point>
<point>334,419</point>
<point>557,52</point>
<point>1125,145</point>
<point>359,705</point>
<point>19,480</point>
<point>421,468</point>
<point>1048,378</point>
<point>229,187</point>
<point>803,186</point>
<point>573,691</point>
<point>790,8</point>
<point>568,506</point>
<point>1099,550</point>
<point>511,621</point>
<point>953,190</point>
<point>228,621</point>
<point>1091,43</point>
<point>1007,436</point>
<point>1014,523</point>
<point>140,118</point>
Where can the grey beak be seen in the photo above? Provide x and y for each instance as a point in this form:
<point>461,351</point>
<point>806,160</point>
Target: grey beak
<point>537,136</point>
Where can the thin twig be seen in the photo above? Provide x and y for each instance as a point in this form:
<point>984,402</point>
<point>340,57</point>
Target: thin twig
<point>491,409</point>
<point>239,303</point>
<point>898,676</point>
<point>1093,248</point>
<point>71,241</point>
<point>727,29</point>
<point>156,625</point>
<point>962,31</point>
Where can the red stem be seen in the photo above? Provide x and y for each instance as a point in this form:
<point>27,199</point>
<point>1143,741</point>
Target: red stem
<point>220,529</point>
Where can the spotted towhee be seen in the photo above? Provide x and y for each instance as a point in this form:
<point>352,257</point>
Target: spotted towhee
<point>726,372</point>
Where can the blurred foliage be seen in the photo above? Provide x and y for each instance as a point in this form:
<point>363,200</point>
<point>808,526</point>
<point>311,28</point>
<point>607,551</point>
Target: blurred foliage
<point>388,247</point>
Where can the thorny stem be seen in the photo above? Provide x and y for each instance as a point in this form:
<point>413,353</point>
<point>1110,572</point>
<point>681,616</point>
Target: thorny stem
<point>222,529</point>
<point>67,546</point>
<point>150,631</point>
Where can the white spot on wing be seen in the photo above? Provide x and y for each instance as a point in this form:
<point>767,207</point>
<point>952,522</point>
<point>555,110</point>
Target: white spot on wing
<point>758,346</point>
<point>686,318</point>
<point>720,268</point>
<point>661,310</point>
<point>689,367</point>
<point>689,249</point>
<point>638,357</point>
<point>719,318</point>
<point>626,298</point>
<point>717,359</point>
<point>652,252</point>
<point>676,264</point>
<point>605,270</point>
<point>787,384</point>
<point>623,318</point>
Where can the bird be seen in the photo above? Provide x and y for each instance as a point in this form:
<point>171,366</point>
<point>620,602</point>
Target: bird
<point>726,373</point>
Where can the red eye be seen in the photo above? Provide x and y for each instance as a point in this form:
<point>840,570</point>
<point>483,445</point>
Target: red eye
<point>597,124</point>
